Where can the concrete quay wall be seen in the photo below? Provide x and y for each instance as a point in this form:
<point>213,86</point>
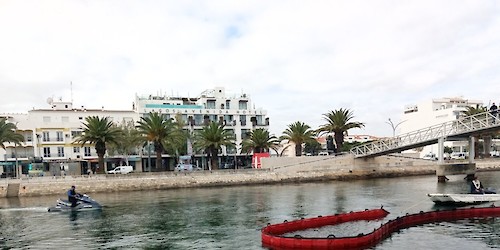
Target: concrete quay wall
<point>39,186</point>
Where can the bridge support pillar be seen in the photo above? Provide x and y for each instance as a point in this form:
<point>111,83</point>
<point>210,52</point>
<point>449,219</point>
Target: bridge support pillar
<point>440,150</point>
<point>487,145</point>
<point>472,149</point>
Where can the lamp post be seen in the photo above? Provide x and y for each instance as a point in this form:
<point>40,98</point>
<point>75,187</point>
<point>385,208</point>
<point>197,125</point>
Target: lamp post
<point>394,126</point>
<point>149,156</point>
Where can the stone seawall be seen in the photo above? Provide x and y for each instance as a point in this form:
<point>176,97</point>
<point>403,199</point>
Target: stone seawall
<point>40,186</point>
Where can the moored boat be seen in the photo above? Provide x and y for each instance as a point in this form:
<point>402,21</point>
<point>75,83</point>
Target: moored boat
<point>463,198</point>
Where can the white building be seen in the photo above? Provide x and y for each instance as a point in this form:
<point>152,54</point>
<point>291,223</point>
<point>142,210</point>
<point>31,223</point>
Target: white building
<point>236,112</point>
<point>49,133</point>
<point>434,112</point>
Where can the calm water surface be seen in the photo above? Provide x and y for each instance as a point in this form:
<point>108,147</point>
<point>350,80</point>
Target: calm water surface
<point>230,217</point>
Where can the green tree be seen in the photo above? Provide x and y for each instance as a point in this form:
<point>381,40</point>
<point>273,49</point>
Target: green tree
<point>176,143</point>
<point>259,141</point>
<point>312,147</point>
<point>211,139</point>
<point>128,142</point>
<point>339,122</point>
<point>298,133</point>
<point>157,129</point>
<point>100,132</point>
<point>8,133</point>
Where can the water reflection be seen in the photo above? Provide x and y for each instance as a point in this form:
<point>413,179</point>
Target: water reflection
<point>230,217</point>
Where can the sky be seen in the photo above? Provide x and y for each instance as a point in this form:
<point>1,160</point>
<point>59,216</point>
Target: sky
<point>296,59</point>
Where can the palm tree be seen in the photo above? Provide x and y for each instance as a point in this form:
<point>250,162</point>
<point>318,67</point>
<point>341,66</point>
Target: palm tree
<point>469,110</point>
<point>211,139</point>
<point>260,141</point>
<point>8,133</point>
<point>129,140</point>
<point>100,132</point>
<point>338,122</point>
<point>176,142</point>
<point>157,129</point>
<point>298,133</point>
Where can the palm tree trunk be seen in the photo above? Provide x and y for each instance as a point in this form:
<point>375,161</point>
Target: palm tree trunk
<point>298,149</point>
<point>100,160</point>
<point>213,158</point>
<point>339,140</point>
<point>158,159</point>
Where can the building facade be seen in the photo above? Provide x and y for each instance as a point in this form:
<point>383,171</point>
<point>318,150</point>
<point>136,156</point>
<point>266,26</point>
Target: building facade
<point>433,112</point>
<point>50,133</point>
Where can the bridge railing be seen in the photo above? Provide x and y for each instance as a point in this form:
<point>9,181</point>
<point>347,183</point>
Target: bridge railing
<point>462,125</point>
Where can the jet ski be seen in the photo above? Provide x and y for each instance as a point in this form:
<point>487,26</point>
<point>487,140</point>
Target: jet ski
<point>84,203</point>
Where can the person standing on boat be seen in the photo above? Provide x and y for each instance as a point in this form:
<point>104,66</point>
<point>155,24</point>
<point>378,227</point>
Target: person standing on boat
<point>73,196</point>
<point>476,187</point>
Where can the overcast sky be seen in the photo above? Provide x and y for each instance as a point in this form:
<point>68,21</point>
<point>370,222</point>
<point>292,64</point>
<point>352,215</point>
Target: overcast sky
<point>296,59</point>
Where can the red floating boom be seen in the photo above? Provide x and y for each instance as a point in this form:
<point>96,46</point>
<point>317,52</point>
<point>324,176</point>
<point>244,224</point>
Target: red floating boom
<point>271,235</point>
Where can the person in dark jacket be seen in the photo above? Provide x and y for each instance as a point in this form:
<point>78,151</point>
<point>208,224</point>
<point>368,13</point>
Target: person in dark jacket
<point>476,187</point>
<point>73,196</point>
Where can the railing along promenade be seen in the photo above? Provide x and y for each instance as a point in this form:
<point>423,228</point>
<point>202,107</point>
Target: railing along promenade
<point>463,127</point>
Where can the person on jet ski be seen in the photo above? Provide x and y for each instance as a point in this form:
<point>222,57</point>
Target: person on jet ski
<point>476,187</point>
<point>73,196</point>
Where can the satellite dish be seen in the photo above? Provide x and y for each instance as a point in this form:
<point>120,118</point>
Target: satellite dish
<point>50,100</point>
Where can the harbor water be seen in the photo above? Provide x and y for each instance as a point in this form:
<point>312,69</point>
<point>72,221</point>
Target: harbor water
<point>232,217</point>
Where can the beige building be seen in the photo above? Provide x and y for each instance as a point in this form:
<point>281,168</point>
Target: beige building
<point>50,133</point>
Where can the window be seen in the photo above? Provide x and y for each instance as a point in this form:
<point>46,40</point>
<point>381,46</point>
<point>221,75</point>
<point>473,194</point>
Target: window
<point>76,150</point>
<point>245,133</point>
<point>75,134</point>
<point>65,119</point>
<point>228,119</point>
<point>46,152</point>
<point>243,120</point>
<point>59,136</point>
<point>46,119</point>
<point>60,151</point>
<point>86,151</point>
<point>228,106</point>
<point>45,136</point>
<point>213,118</point>
<point>210,104</point>
<point>198,119</point>
<point>259,120</point>
<point>243,105</point>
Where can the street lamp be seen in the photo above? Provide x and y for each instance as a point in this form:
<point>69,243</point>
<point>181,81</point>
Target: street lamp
<point>394,126</point>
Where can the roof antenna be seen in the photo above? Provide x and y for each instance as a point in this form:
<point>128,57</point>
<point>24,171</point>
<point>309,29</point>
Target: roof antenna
<point>71,88</point>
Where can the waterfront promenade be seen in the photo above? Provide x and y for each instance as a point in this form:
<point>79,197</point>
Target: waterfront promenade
<point>39,186</point>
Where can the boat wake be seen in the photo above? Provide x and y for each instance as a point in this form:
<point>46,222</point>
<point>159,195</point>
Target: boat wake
<point>20,209</point>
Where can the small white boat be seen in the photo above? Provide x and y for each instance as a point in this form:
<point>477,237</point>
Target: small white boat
<point>463,198</point>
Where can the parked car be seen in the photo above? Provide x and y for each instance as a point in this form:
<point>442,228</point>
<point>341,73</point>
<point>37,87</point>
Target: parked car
<point>430,156</point>
<point>186,167</point>
<point>458,156</point>
<point>121,170</point>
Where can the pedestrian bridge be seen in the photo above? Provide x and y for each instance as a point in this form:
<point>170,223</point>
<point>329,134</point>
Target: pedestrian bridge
<point>464,128</point>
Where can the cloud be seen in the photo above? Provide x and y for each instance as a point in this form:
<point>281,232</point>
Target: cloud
<point>297,59</point>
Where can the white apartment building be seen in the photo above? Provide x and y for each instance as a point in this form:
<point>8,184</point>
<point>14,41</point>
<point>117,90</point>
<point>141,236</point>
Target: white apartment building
<point>433,112</point>
<point>49,133</point>
<point>235,111</point>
